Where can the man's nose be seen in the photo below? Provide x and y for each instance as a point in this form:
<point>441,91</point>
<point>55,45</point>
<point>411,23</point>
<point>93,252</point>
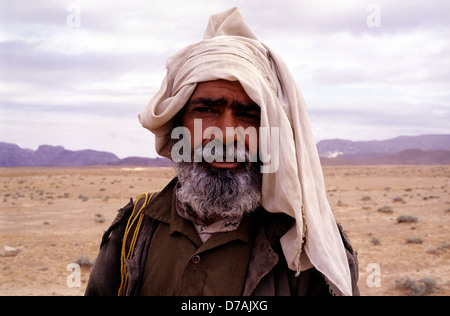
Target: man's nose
<point>228,120</point>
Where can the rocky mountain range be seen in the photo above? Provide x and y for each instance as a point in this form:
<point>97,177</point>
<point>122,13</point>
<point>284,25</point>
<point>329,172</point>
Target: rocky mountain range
<point>12,155</point>
<point>416,150</point>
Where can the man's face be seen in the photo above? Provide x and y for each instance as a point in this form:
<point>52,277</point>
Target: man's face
<point>211,190</point>
<point>222,104</point>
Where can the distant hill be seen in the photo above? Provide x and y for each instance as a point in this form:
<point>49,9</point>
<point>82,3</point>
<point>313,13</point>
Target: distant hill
<point>418,150</point>
<point>12,155</point>
<point>336,147</point>
<point>405,157</point>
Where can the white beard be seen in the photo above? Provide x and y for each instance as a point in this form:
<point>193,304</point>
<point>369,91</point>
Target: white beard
<point>208,194</point>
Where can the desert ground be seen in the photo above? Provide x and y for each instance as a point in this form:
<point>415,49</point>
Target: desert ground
<point>53,217</point>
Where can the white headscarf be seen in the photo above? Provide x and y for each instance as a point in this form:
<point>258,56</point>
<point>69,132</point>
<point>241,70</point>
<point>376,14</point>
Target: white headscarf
<point>231,51</point>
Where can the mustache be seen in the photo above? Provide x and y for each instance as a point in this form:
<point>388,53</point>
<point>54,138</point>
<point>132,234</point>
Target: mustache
<point>216,151</point>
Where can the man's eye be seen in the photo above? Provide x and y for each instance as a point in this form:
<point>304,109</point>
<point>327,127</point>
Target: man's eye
<point>249,115</point>
<point>202,110</point>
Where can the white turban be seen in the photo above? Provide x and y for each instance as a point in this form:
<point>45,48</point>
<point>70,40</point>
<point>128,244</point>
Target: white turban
<point>231,51</point>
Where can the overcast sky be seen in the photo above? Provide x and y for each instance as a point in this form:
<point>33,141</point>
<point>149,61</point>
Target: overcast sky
<point>77,73</point>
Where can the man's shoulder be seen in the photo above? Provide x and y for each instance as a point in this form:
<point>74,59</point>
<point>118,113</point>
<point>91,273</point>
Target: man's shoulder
<point>275,225</point>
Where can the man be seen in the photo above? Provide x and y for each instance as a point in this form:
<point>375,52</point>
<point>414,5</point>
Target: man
<point>247,213</point>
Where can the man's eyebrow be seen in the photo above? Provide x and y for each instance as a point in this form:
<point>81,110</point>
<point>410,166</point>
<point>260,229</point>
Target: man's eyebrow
<point>252,106</point>
<point>208,101</point>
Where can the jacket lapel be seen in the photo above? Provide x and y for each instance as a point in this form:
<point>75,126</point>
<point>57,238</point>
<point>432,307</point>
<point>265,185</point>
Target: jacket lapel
<point>269,229</point>
<point>263,259</point>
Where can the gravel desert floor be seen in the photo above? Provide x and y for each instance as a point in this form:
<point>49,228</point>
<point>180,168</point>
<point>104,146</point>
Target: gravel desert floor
<point>397,217</point>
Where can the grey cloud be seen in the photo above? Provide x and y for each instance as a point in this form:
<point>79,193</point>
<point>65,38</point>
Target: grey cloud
<point>408,15</point>
<point>28,63</point>
<point>51,12</point>
<point>361,124</point>
<point>402,75</point>
<point>325,17</point>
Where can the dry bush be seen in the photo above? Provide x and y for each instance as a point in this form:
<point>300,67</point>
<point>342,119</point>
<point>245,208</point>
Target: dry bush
<point>417,288</point>
<point>407,219</point>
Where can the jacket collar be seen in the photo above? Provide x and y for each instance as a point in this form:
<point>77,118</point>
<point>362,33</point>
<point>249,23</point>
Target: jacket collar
<point>159,208</point>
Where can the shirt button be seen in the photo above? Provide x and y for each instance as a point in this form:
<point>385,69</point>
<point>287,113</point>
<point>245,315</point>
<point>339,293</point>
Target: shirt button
<point>196,259</point>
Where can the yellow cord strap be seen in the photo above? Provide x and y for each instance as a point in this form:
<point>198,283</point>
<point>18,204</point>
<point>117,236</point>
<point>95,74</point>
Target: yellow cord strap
<point>135,216</point>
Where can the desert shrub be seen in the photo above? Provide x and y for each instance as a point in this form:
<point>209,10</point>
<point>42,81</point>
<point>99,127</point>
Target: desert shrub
<point>375,241</point>
<point>99,218</point>
<point>417,288</point>
<point>342,204</point>
<point>414,240</point>
<point>430,197</point>
<point>83,198</point>
<point>407,219</point>
<point>385,209</point>
<point>85,261</point>
<point>439,249</point>
<point>398,199</point>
